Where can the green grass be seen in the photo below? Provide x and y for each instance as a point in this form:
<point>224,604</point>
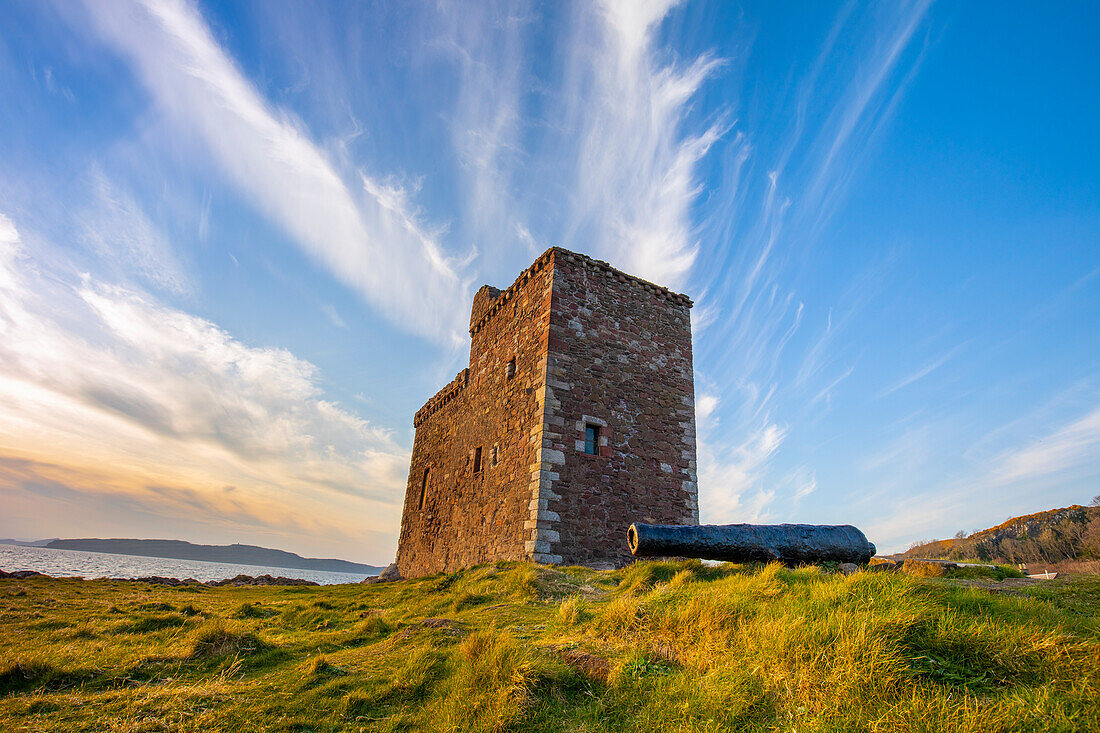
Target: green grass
<point>517,647</point>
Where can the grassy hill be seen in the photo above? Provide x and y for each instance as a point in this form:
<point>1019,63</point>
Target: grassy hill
<point>1047,538</point>
<point>655,647</point>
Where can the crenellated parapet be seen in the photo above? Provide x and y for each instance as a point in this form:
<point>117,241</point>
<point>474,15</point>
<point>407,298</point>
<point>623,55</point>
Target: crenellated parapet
<point>442,398</point>
<point>484,309</point>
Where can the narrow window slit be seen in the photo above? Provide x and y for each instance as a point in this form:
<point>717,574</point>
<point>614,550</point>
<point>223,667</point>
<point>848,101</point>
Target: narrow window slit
<point>423,488</point>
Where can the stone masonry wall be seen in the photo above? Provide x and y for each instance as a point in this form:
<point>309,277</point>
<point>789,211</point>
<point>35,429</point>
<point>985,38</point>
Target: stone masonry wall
<point>619,357</point>
<point>471,517</point>
<point>591,345</point>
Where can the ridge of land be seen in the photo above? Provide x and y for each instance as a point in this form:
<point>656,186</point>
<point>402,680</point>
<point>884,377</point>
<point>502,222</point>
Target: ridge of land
<point>233,554</point>
<point>1067,538</point>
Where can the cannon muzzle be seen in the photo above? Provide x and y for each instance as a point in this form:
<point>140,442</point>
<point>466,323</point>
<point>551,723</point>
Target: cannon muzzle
<point>786,543</point>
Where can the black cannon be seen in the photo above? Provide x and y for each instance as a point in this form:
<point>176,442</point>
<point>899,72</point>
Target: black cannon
<point>786,543</point>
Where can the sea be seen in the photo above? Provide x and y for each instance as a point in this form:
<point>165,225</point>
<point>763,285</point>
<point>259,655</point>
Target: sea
<point>107,565</point>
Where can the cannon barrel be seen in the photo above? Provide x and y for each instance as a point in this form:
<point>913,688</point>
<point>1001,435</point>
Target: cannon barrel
<point>786,543</point>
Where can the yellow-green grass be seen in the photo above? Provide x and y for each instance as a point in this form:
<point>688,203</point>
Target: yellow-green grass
<point>654,647</point>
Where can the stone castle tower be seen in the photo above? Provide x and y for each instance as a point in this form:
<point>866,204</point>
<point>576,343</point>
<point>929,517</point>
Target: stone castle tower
<point>575,417</point>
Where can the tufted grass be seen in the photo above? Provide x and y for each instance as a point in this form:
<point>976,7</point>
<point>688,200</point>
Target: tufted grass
<point>515,647</point>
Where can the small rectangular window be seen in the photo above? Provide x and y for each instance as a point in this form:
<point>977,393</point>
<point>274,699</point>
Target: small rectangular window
<point>510,371</point>
<point>423,488</point>
<point>477,459</point>
<point>592,440</point>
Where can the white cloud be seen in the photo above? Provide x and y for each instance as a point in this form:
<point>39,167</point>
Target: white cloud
<point>372,240</point>
<point>779,186</point>
<point>704,406</point>
<point>599,157</point>
<point>116,395</point>
<point>731,478</point>
<point>1070,448</point>
<point>635,177</point>
<point>122,237</point>
<point>914,490</point>
<point>921,373</point>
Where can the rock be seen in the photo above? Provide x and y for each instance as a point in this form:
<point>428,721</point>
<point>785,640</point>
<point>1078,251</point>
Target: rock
<point>174,582</point>
<point>926,568</point>
<point>882,565</point>
<point>22,574</point>
<point>388,575</point>
<point>160,580</point>
<point>259,580</point>
<point>849,568</point>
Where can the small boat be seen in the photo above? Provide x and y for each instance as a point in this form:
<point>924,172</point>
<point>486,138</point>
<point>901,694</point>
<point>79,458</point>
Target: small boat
<point>1044,576</point>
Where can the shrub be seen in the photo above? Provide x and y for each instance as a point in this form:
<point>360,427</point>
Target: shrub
<point>1090,538</point>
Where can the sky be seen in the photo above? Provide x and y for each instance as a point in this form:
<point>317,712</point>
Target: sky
<point>238,244</point>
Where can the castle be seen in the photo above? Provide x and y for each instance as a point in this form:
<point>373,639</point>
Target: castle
<point>575,417</point>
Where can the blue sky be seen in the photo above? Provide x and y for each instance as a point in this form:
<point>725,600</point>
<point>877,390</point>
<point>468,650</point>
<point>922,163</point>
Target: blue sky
<point>238,244</point>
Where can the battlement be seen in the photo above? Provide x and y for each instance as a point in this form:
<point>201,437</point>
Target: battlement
<point>486,311</point>
<point>442,398</point>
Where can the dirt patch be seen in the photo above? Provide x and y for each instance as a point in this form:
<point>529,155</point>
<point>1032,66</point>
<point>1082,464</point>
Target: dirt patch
<point>590,665</point>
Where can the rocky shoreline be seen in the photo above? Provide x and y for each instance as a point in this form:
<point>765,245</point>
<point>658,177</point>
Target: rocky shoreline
<point>174,582</point>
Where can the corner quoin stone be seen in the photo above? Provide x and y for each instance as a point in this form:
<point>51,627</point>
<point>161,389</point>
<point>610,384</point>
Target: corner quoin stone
<point>499,467</point>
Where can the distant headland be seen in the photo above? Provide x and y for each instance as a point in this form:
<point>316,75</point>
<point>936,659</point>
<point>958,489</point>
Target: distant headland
<point>233,554</point>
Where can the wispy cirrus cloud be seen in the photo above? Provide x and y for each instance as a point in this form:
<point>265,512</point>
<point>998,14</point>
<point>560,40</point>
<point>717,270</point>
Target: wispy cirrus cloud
<point>921,373</point>
<point>1070,448</point>
<point>368,236</point>
<point>178,409</point>
<point>123,239</point>
<point>597,153</point>
<point>781,356</point>
<point>635,176</point>
<point>938,466</point>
